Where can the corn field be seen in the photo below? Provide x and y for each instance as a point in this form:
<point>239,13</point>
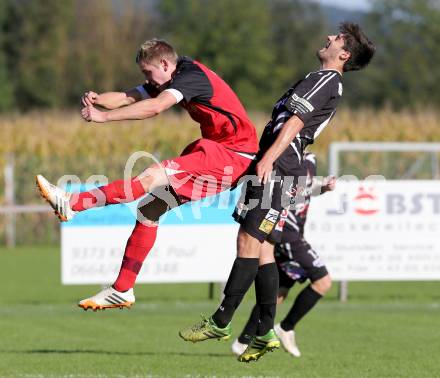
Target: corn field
<point>56,143</point>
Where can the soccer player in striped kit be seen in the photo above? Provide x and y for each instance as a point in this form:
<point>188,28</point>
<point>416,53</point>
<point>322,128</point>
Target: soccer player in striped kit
<point>296,262</point>
<point>298,117</point>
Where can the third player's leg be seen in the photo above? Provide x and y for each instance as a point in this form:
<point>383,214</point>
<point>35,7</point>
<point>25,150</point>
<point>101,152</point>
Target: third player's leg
<point>322,285</point>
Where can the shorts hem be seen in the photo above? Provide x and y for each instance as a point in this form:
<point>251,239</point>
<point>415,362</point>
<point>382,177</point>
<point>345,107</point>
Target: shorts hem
<point>252,232</point>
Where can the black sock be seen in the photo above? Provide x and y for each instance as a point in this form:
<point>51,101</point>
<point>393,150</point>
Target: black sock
<point>242,275</point>
<point>304,302</point>
<point>266,290</point>
<point>250,329</point>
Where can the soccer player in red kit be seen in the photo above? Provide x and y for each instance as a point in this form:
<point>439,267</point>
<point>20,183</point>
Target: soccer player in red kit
<point>207,166</point>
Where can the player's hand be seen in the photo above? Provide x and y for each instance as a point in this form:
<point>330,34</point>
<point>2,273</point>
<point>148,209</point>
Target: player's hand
<point>91,114</point>
<point>329,183</point>
<point>89,98</point>
<point>264,170</point>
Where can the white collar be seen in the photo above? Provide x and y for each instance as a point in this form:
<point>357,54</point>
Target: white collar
<point>329,69</point>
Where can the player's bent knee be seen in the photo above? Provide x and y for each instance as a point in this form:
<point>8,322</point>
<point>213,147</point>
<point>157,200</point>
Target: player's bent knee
<point>323,285</point>
<point>153,177</point>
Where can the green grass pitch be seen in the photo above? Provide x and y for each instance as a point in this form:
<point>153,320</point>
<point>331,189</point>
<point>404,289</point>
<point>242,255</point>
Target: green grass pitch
<point>385,330</point>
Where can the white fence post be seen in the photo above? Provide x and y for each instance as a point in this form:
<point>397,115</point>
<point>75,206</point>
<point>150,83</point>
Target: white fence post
<point>10,200</point>
<point>434,166</point>
<point>333,170</point>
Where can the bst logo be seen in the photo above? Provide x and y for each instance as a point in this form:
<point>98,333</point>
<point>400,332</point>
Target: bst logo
<point>365,202</point>
<point>369,201</point>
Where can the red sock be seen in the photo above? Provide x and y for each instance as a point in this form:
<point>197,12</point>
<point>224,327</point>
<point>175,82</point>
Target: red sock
<point>138,246</point>
<point>119,191</point>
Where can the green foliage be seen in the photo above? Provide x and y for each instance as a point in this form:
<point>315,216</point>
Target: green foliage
<point>404,72</point>
<point>296,34</point>
<point>258,47</point>
<point>52,51</point>
<point>6,86</point>
<point>37,50</point>
<point>232,37</point>
<point>103,44</point>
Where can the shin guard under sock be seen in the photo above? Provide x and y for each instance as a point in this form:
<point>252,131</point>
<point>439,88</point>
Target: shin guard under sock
<point>240,279</point>
<point>138,246</point>
<point>304,302</point>
<point>119,191</point>
<point>266,290</point>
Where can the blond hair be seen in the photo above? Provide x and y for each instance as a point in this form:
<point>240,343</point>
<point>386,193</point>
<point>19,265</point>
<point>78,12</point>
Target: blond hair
<point>153,50</point>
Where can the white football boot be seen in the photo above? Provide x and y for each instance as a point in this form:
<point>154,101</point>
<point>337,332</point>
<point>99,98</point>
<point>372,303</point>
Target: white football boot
<point>108,298</point>
<point>238,348</point>
<point>57,198</point>
<point>287,339</point>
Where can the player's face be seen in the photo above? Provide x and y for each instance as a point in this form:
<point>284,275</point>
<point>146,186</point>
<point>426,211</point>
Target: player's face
<point>156,74</point>
<point>333,49</point>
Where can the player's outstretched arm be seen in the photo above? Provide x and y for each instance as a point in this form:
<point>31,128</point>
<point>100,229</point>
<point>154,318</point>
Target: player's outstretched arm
<point>139,110</point>
<point>290,129</point>
<point>111,100</point>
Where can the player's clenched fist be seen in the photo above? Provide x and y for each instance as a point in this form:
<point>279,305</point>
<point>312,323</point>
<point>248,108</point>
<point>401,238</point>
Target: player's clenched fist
<point>91,114</point>
<point>89,98</point>
<point>329,183</point>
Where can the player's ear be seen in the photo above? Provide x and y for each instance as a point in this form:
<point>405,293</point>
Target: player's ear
<point>164,64</point>
<point>344,55</point>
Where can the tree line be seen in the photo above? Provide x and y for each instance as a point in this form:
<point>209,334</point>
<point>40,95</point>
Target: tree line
<point>52,50</point>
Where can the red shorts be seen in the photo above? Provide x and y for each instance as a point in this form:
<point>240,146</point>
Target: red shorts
<point>205,168</point>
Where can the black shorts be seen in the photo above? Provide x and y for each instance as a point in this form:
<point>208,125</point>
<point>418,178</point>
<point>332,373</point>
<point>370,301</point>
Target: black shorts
<point>260,206</point>
<point>297,261</point>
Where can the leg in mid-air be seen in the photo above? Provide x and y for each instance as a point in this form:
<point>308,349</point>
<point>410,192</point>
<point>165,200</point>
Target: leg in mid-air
<point>298,262</point>
<point>266,287</point>
<point>258,212</point>
<point>66,205</point>
<point>161,199</point>
<point>243,273</point>
<point>250,329</point>
<point>204,168</point>
<point>254,262</point>
<point>303,304</point>
<point>139,244</point>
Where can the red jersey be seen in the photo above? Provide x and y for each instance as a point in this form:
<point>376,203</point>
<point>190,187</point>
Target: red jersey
<point>213,104</point>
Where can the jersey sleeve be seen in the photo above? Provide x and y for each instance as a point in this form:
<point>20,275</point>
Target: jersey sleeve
<point>147,91</point>
<point>312,94</point>
<point>192,83</point>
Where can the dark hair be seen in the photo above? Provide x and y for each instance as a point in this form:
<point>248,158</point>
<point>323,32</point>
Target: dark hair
<point>358,45</point>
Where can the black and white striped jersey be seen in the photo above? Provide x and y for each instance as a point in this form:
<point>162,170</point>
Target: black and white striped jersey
<point>313,99</point>
<point>295,218</point>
